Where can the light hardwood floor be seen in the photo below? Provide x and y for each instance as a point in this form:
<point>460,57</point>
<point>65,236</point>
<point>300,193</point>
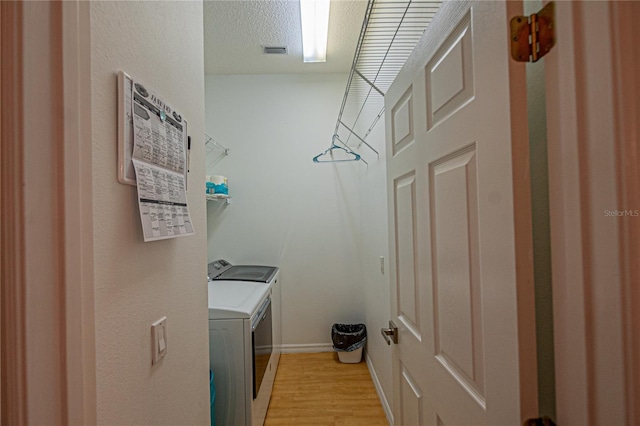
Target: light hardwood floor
<point>317,389</point>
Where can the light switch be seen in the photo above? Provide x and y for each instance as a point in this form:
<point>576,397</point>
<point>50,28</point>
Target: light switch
<point>382,265</point>
<point>158,340</point>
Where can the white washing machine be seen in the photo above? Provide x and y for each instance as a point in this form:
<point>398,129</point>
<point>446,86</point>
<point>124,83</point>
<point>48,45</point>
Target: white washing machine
<point>244,340</point>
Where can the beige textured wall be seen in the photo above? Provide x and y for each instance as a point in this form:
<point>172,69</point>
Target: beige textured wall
<point>287,210</point>
<point>161,43</point>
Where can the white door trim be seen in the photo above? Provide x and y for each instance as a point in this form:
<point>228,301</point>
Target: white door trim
<point>78,184</point>
<point>593,86</point>
<point>627,64</point>
<point>47,229</point>
<point>14,410</point>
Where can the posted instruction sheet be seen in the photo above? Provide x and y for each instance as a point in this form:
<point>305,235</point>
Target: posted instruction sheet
<point>160,161</point>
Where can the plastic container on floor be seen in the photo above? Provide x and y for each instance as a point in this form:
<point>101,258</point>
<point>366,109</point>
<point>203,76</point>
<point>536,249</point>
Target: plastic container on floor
<point>348,341</point>
<point>352,357</point>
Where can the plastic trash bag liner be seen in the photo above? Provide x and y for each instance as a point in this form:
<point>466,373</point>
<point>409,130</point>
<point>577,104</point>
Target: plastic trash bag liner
<point>348,337</point>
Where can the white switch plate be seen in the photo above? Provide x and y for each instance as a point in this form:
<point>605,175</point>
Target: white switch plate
<point>158,340</point>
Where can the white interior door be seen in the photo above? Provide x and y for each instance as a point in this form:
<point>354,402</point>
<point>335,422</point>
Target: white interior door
<point>459,209</point>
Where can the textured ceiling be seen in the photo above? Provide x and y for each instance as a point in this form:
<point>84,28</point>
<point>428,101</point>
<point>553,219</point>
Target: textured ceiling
<point>235,32</point>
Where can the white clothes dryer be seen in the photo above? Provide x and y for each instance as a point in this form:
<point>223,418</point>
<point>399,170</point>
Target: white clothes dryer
<point>244,339</point>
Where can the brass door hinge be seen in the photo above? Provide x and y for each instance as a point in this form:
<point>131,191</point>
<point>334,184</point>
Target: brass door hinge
<point>533,36</point>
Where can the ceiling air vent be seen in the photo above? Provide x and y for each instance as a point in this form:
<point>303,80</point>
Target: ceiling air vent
<point>275,50</point>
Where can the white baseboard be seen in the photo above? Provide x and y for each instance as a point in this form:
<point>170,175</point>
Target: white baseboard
<point>383,399</point>
<point>307,348</point>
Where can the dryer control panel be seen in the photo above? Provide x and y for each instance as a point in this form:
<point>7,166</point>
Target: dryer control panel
<point>216,268</point>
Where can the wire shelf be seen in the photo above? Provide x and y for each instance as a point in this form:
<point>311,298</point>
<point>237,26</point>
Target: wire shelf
<point>390,31</point>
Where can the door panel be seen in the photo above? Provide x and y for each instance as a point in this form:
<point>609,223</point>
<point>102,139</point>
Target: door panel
<point>458,335</point>
<point>453,168</point>
<point>402,122</point>
<point>411,400</point>
<point>408,290</point>
<point>450,74</point>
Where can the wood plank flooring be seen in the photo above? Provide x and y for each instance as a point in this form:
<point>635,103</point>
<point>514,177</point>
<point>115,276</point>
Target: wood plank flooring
<point>317,389</point>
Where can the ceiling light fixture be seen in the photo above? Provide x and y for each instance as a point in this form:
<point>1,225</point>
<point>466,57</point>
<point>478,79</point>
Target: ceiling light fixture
<point>314,16</point>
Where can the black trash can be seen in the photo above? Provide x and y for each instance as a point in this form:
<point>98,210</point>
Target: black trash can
<point>348,341</point>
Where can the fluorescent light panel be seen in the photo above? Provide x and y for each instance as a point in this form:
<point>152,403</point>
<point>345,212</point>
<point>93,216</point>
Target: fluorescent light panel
<point>314,15</point>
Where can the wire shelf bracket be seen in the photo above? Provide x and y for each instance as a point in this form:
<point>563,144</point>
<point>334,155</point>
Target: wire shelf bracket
<point>211,143</point>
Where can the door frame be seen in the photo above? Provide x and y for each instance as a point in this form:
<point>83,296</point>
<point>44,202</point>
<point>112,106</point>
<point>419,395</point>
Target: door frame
<point>47,241</point>
<point>592,88</point>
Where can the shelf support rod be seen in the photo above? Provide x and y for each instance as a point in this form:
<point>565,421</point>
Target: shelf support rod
<point>337,138</point>
<point>369,83</point>
<point>359,138</point>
